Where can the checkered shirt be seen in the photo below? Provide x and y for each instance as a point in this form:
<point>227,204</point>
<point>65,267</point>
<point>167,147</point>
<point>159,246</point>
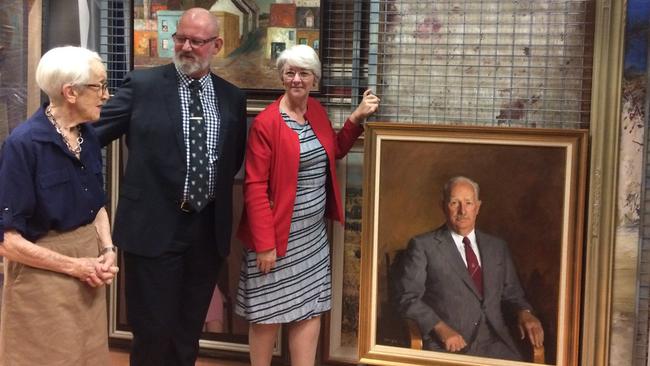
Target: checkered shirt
<point>212,118</point>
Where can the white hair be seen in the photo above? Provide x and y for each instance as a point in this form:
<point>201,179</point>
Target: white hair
<point>64,65</point>
<point>446,189</point>
<point>301,56</point>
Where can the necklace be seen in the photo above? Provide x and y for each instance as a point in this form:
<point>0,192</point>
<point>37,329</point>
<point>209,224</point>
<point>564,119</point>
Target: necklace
<point>80,140</point>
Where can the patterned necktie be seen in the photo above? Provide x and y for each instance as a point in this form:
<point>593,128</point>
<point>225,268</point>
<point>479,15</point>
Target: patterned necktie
<point>472,266</point>
<point>198,195</point>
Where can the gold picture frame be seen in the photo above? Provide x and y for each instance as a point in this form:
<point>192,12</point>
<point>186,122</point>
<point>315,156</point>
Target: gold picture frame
<point>340,328</point>
<point>535,178</point>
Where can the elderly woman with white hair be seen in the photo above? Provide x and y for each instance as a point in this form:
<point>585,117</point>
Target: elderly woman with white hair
<point>54,230</point>
<point>290,188</point>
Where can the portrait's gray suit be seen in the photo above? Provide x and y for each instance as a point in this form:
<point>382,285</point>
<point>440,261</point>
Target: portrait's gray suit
<point>432,284</point>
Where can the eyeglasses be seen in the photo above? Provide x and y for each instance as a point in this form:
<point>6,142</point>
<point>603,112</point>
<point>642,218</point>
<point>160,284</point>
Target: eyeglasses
<point>103,87</point>
<point>195,43</point>
<point>302,75</point>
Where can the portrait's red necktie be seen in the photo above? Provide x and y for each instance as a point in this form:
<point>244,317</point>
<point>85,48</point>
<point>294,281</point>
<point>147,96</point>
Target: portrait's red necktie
<point>473,267</point>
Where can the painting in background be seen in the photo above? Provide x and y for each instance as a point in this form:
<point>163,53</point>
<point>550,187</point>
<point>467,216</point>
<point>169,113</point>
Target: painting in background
<point>221,323</point>
<point>341,335</point>
<point>633,119</point>
<point>13,65</point>
<point>254,34</point>
<point>13,70</point>
<point>631,286</point>
<point>352,249</point>
<point>223,329</point>
<point>510,63</point>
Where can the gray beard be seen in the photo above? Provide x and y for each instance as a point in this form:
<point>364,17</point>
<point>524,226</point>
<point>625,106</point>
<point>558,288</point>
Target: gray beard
<point>189,67</point>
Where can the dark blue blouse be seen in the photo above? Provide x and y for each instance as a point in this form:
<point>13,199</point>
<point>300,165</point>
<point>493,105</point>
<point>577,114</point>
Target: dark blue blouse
<point>43,186</point>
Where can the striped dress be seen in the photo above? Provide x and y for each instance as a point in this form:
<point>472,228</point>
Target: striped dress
<point>299,287</point>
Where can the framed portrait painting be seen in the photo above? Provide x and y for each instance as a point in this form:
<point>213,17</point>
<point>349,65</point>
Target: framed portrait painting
<point>225,334</point>
<point>254,32</point>
<point>340,325</point>
<point>532,189</point>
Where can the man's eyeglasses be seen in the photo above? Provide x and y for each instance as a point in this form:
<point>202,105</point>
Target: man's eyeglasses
<point>195,43</point>
<point>302,75</point>
<point>103,87</point>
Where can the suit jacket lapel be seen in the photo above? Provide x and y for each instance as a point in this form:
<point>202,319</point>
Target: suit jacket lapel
<point>488,264</point>
<point>450,251</point>
<point>224,111</point>
<point>173,105</point>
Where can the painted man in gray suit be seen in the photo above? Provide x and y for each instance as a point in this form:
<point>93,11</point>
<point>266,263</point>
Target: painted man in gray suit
<point>457,311</point>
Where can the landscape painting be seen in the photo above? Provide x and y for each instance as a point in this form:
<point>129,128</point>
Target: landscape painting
<point>254,34</point>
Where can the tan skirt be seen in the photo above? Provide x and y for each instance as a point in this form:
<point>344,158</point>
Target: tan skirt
<point>49,318</point>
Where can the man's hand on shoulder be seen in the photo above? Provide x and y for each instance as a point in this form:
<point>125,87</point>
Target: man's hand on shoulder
<point>530,326</point>
<point>453,341</point>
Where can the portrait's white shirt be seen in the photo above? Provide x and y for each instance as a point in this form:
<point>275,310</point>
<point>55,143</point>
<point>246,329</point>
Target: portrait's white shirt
<point>458,240</point>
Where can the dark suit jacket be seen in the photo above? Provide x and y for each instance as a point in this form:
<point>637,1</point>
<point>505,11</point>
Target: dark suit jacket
<point>433,285</point>
<point>147,109</point>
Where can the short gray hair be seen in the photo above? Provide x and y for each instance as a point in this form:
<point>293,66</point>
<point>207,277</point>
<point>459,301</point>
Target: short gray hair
<point>64,65</point>
<point>446,189</point>
<point>301,56</point>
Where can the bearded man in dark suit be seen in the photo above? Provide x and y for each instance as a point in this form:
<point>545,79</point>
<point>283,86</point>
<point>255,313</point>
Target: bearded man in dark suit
<point>457,282</point>
<point>174,244</point>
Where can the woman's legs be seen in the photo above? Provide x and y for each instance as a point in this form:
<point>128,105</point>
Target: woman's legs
<point>303,341</point>
<point>261,338</point>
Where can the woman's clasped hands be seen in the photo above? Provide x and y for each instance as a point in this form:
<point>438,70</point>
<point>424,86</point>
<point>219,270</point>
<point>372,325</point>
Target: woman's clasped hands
<point>97,271</point>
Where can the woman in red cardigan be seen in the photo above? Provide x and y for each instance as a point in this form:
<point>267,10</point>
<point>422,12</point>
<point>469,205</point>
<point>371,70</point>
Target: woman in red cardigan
<point>290,189</point>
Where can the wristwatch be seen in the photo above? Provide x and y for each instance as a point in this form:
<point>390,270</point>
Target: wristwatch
<point>105,250</point>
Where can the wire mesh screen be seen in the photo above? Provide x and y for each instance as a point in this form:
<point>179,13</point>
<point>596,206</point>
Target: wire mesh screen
<point>114,47</point>
<point>115,39</point>
<point>344,55</point>
<point>485,62</point>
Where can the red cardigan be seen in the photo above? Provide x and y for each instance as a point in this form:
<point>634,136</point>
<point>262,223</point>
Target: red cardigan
<point>272,162</point>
